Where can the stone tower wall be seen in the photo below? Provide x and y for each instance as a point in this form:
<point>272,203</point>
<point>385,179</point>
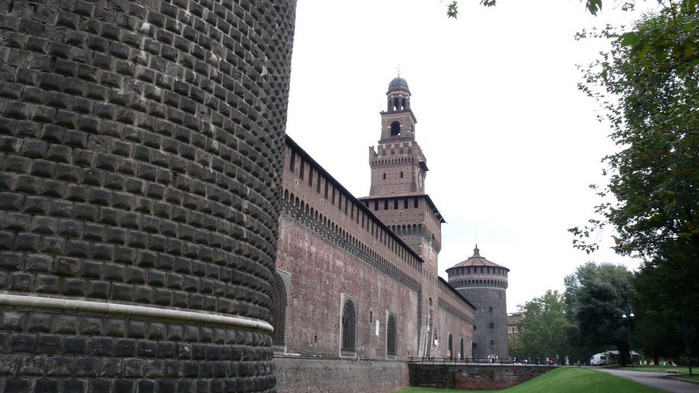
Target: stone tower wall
<point>140,147</point>
<point>483,299</point>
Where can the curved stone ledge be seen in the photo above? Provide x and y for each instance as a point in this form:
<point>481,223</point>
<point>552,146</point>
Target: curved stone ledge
<point>84,306</point>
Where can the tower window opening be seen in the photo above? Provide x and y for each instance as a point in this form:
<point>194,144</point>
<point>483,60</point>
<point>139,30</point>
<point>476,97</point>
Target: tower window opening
<point>401,174</point>
<point>395,128</point>
<point>384,176</point>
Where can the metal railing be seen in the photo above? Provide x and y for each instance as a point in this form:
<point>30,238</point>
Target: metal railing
<point>483,361</point>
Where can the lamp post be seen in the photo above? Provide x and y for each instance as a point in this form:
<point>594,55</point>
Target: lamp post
<point>628,316</point>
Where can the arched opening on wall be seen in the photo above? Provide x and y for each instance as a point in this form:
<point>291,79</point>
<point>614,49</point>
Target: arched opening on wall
<point>451,347</point>
<point>395,128</point>
<point>461,349</point>
<point>391,336</point>
<point>349,328</point>
<point>278,311</point>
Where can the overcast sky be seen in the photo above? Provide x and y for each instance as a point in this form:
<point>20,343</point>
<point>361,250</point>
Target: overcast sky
<point>511,143</point>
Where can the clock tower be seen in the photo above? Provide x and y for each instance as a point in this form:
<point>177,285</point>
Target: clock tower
<point>398,166</point>
<point>397,197</point>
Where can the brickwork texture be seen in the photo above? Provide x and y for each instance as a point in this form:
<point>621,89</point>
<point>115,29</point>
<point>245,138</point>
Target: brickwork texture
<point>140,157</point>
<point>302,375</point>
<point>472,377</point>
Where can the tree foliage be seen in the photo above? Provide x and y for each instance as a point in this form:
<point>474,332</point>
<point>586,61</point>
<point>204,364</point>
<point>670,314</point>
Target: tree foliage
<point>648,87</point>
<point>595,298</point>
<point>543,330</point>
<point>667,293</point>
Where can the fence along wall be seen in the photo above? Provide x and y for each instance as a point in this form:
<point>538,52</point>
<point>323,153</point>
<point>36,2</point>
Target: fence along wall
<point>140,147</point>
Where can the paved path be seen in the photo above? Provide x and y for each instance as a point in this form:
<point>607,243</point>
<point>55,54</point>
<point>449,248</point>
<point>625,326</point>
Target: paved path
<point>657,380</point>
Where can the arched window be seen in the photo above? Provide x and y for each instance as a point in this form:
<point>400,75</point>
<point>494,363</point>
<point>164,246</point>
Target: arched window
<point>391,336</point>
<point>461,349</point>
<point>349,327</point>
<point>395,128</point>
<point>278,311</point>
<point>451,347</point>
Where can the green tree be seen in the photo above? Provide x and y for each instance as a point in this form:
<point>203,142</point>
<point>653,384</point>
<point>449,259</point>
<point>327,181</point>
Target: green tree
<point>666,291</point>
<point>595,298</point>
<point>648,86</point>
<point>543,330</point>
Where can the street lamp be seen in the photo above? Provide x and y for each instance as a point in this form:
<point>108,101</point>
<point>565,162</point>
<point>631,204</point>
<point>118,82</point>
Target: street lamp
<point>628,316</point>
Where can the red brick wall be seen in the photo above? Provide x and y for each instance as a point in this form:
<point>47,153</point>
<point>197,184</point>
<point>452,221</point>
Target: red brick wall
<point>472,377</point>
<point>301,375</point>
<point>320,273</point>
<point>334,247</point>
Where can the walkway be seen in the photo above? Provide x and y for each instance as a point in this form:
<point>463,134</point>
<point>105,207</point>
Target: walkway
<point>657,380</point>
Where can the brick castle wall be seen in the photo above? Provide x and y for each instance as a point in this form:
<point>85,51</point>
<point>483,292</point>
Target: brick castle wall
<point>320,273</point>
<point>140,147</point>
<point>332,247</point>
<point>303,375</point>
<point>472,377</point>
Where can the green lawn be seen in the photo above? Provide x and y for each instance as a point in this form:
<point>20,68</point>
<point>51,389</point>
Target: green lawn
<point>564,380</point>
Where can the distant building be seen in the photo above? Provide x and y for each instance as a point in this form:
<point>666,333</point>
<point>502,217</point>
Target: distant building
<point>512,321</point>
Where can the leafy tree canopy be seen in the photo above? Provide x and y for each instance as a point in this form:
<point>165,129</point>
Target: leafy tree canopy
<point>595,298</point>
<point>543,330</point>
<point>647,85</point>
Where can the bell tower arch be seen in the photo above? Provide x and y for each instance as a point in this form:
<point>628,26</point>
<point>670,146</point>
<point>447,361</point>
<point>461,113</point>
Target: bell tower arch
<point>398,166</point>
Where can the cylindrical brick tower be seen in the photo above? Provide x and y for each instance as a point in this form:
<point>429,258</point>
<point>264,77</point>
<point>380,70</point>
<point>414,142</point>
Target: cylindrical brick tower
<point>140,155</point>
<point>484,284</point>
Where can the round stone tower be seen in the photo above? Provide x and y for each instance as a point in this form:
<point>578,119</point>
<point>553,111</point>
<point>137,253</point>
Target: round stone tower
<point>141,145</point>
<point>484,284</point>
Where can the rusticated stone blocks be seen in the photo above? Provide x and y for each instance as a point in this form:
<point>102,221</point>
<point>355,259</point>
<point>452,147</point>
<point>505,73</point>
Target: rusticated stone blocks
<point>140,157</point>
